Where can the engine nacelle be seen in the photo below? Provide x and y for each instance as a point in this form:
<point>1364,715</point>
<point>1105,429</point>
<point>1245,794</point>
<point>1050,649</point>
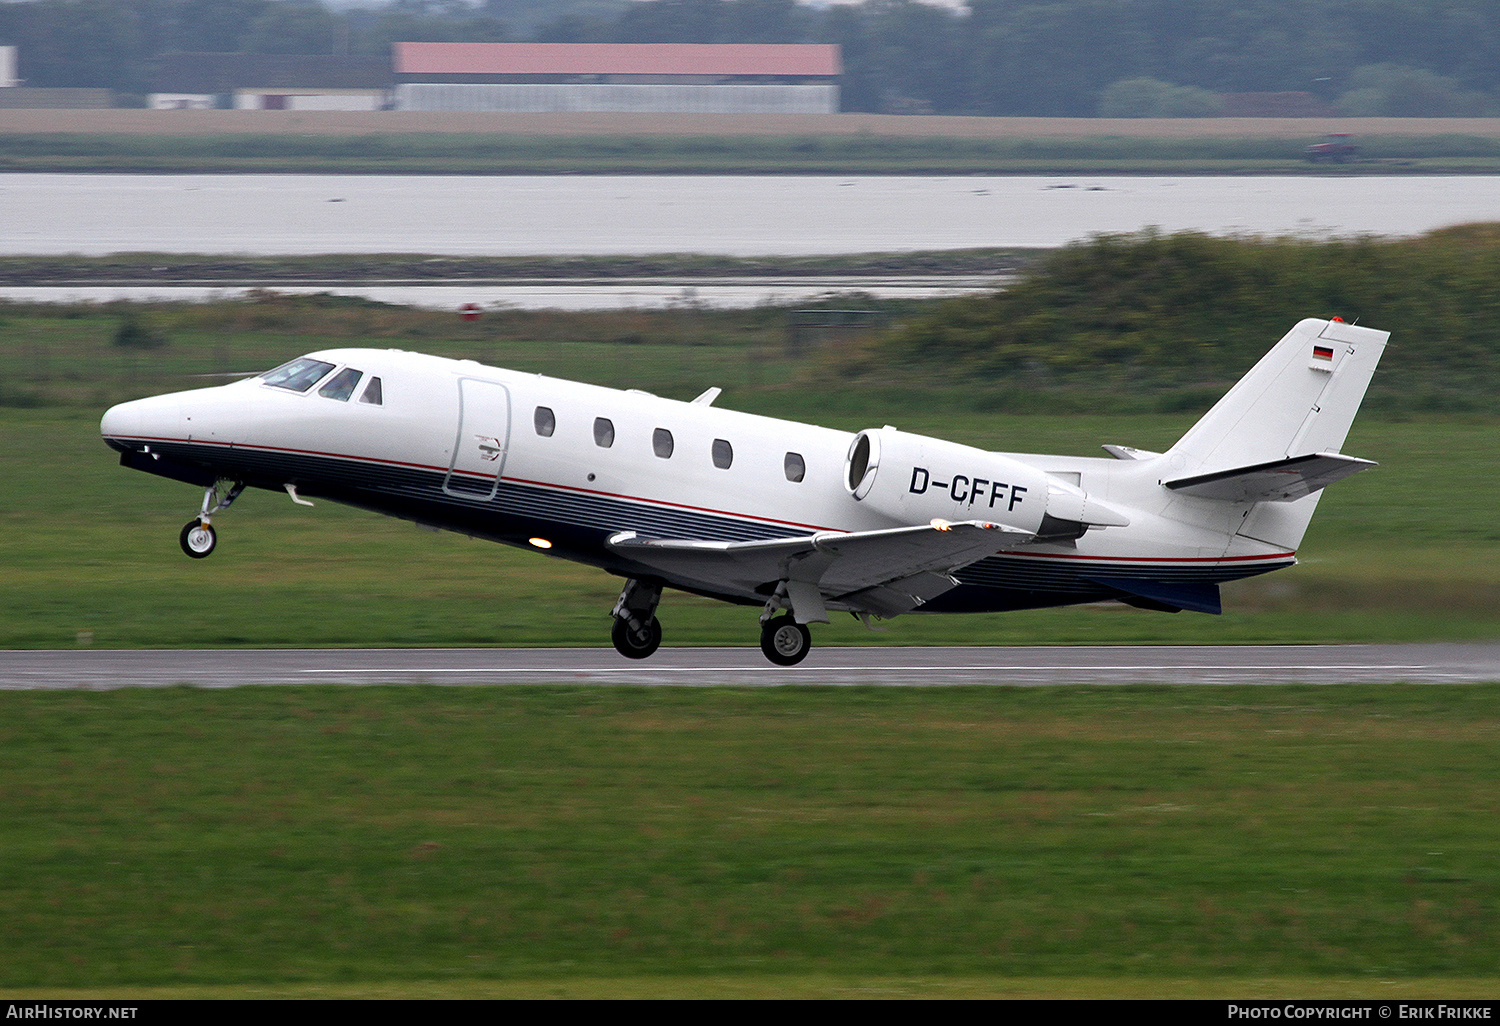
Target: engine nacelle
<point>915,479</point>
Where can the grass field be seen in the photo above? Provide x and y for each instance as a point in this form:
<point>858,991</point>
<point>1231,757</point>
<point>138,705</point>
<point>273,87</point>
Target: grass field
<point>396,842</point>
<point>1285,841</point>
<point>407,142</point>
<point>415,268</point>
<point>346,124</point>
<point>1403,553</point>
<point>836,155</point>
<point>1410,551</point>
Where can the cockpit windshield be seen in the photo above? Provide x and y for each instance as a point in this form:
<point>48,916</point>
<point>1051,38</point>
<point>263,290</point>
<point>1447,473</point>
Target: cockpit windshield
<point>341,385</point>
<point>297,376</point>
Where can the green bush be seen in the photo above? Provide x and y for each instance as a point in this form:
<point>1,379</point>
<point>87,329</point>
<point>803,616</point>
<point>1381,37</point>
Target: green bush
<point>1148,313</point>
<point>133,333</point>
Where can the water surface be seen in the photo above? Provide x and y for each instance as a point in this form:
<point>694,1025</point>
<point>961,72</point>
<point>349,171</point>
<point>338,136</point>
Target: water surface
<point>576,294</point>
<point>729,215</point>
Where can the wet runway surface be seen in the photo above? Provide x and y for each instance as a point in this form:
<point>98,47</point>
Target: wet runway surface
<point>1258,664</point>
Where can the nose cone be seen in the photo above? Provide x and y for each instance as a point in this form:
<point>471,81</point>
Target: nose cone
<point>120,421</point>
<point>156,419</point>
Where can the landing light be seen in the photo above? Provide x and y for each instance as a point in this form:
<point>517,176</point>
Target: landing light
<point>541,543</point>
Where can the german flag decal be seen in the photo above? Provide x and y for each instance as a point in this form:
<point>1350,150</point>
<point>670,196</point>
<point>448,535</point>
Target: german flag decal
<point>1323,353</point>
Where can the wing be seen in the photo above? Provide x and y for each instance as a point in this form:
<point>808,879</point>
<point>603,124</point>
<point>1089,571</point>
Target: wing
<point>883,572</point>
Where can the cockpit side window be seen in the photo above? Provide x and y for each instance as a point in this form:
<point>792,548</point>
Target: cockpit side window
<point>297,376</point>
<point>341,385</point>
<point>372,394</point>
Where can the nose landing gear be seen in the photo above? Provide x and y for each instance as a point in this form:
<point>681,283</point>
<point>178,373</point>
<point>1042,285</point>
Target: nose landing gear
<point>198,538</point>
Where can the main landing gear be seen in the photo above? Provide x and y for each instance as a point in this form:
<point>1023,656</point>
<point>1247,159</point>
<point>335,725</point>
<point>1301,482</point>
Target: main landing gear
<point>198,538</point>
<point>785,641</point>
<point>637,632</point>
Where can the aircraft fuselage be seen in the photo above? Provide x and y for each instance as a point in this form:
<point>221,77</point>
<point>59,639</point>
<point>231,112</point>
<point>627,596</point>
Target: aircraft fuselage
<point>692,496</point>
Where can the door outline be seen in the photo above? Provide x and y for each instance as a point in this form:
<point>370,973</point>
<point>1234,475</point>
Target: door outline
<point>480,447</point>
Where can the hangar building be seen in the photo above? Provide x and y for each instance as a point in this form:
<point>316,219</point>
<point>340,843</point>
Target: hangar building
<point>686,78</point>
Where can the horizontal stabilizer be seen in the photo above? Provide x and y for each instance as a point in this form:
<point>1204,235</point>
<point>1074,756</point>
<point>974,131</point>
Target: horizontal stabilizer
<point>1277,481</point>
<point>1129,452</point>
<point>839,565</point>
<point>1200,598</point>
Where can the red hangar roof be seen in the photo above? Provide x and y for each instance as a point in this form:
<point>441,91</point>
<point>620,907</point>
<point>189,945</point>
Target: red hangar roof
<point>791,59</point>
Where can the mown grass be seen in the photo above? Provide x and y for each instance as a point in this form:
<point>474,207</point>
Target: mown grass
<point>487,153</point>
<point>419,840</point>
<point>1407,552</point>
<point>1410,551</point>
<point>344,268</point>
<point>802,986</point>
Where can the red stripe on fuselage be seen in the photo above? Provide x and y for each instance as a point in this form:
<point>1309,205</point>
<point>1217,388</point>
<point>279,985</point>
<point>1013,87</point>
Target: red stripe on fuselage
<point>514,480</point>
<point>696,509</point>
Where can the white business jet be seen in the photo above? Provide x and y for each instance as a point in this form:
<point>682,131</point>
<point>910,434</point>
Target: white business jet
<point>797,519</point>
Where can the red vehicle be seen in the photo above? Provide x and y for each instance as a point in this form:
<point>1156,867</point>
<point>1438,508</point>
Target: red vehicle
<point>1336,148</point>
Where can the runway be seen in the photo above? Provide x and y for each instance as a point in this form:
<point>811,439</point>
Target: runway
<point>686,667</point>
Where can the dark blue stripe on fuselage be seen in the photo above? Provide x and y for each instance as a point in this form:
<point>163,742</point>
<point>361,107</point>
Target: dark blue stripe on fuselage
<point>578,523</point>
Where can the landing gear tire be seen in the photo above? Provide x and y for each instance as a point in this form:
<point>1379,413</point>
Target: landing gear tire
<point>197,539</point>
<point>785,641</point>
<point>636,644</point>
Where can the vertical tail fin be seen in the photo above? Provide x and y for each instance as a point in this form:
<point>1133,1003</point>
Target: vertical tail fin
<point>1298,401</point>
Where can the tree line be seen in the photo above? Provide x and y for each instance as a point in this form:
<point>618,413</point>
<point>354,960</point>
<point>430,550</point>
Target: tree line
<point>1075,58</point>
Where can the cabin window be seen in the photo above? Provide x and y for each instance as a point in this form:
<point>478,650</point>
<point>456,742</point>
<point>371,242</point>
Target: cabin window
<point>341,385</point>
<point>604,432</point>
<point>372,393</point>
<point>661,443</point>
<point>723,454</point>
<point>297,376</point>
<point>545,421</point>
<point>794,466</point>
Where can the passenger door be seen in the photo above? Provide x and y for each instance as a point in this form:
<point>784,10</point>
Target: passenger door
<point>483,437</point>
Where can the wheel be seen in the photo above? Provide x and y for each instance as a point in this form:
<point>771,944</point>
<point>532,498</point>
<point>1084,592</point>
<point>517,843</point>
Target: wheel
<point>197,539</point>
<point>785,641</point>
<point>636,644</point>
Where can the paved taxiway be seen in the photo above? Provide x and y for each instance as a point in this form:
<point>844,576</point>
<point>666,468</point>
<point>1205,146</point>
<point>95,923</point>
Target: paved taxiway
<point>1249,664</point>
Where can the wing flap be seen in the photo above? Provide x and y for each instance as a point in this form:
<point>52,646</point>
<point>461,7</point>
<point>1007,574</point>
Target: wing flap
<point>840,566</point>
<point>1277,481</point>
